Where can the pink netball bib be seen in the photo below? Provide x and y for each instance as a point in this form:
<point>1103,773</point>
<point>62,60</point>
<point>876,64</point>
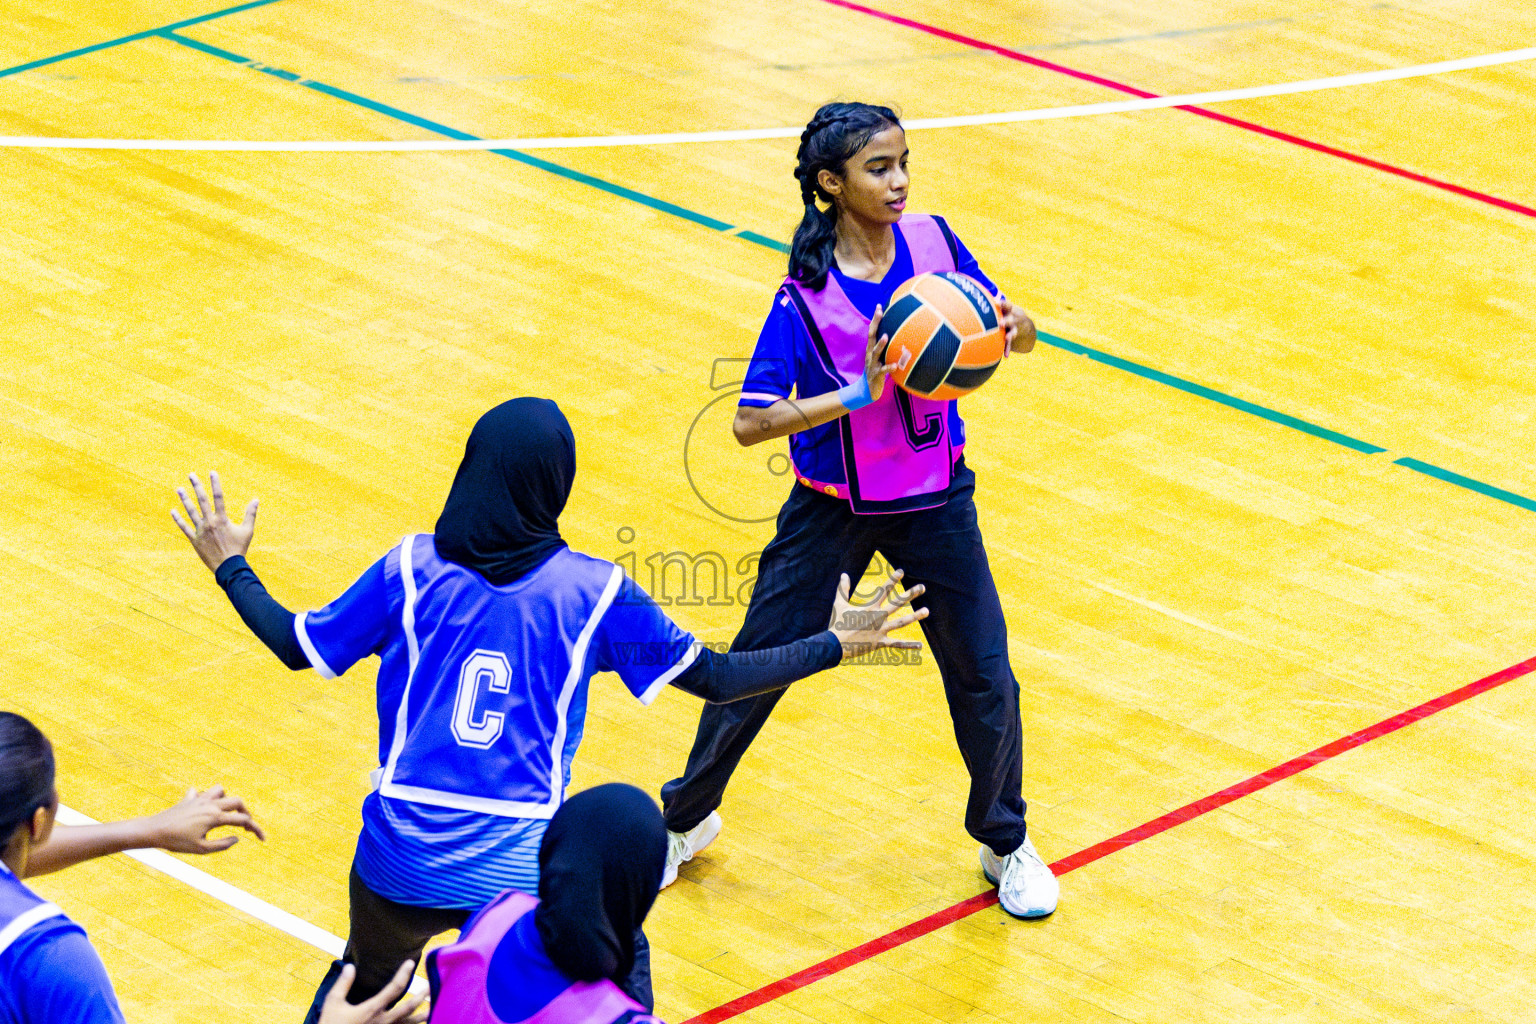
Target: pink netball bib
<point>461,979</point>
<point>897,451</point>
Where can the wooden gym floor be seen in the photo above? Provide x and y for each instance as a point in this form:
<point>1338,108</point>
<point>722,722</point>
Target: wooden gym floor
<point>1265,485</point>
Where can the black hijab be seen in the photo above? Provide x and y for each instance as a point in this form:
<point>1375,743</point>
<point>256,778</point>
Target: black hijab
<point>502,510</point>
<point>600,868</point>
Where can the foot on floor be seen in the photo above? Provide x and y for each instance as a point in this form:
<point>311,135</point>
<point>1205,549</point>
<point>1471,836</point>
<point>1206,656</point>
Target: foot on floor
<point>681,846</point>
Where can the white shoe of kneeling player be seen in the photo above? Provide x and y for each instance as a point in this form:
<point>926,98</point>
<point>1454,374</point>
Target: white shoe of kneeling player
<point>1026,887</point>
<point>681,846</point>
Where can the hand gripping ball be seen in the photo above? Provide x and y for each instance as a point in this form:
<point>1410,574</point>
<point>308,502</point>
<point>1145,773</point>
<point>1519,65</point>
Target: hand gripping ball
<point>946,335</point>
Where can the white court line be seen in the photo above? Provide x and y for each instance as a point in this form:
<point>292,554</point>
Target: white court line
<point>754,134</point>
<point>225,893</point>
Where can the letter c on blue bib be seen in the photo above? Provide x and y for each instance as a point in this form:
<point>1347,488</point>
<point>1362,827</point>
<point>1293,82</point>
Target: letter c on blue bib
<point>482,670</point>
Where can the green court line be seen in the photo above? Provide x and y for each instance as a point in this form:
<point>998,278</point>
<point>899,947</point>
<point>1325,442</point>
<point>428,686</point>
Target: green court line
<point>754,237</point>
<point>1126,365</point>
<point>763,240</point>
<point>1211,394</point>
<point>1467,483</point>
<point>661,205</point>
<point>44,62</point>
<point>569,173</point>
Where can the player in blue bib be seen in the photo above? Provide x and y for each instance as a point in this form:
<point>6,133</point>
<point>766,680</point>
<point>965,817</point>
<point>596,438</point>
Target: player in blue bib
<point>49,974</point>
<point>488,631</point>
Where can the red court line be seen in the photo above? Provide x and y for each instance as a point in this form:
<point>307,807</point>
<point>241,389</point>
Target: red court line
<point>1109,83</point>
<point>1099,851</point>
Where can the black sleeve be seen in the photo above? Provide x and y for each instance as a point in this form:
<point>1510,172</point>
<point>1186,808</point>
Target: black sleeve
<point>270,621</point>
<point>722,678</point>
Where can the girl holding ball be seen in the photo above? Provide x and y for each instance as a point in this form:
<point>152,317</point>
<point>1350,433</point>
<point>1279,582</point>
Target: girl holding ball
<point>877,470</point>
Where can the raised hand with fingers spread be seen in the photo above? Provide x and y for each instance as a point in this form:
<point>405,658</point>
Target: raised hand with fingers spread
<point>862,628</point>
<point>213,535</point>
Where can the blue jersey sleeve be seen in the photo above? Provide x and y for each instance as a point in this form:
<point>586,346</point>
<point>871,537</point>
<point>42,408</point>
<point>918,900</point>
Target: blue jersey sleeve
<point>62,979</point>
<point>966,263</point>
<point>637,640</point>
<point>351,627</point>
<point>771,374</point>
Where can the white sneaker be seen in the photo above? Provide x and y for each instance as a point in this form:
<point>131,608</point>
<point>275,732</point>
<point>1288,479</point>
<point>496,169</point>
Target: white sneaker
<point>682,846</point>
<point>1026,887</point>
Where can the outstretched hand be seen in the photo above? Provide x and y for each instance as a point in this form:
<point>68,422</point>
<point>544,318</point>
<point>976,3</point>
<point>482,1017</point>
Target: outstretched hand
<point>867,627</point>
<point>336,1009</point>
<point>184,827</point>
<point>213,535</point>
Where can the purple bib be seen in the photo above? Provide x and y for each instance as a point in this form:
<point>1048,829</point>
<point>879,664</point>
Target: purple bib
<point>464,991</point>
<point>897,451</point>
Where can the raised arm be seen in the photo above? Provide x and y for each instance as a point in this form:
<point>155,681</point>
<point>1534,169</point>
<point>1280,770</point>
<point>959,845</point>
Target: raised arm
<point>222,544</point>
<point>649,651</point>
<point>182,828</point>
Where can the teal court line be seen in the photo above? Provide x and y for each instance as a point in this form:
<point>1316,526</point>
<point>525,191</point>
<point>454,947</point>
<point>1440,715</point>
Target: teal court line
<point>660,205</point>
<point>1138,369</point>
<point>1200,390</point>
<point>1146,372</point>
<point>1467,483</point>
<point>44,62</point>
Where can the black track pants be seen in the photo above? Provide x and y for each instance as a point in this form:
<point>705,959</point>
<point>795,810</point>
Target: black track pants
<point>819,538</point>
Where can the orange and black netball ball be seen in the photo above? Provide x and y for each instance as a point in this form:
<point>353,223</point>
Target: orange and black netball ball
<point>946,335</point>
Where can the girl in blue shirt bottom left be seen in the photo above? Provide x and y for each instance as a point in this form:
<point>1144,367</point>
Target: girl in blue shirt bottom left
<point>49,973</point>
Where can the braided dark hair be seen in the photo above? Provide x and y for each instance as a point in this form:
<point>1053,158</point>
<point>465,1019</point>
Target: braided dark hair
<point>835,134</point>
<point>26,772</point>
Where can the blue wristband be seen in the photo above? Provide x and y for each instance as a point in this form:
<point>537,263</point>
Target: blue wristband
<point>855,395</point>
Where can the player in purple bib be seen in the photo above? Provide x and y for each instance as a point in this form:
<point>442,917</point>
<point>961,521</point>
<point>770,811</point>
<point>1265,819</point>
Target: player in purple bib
<point>559,959</point>
<point>877,470</point>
